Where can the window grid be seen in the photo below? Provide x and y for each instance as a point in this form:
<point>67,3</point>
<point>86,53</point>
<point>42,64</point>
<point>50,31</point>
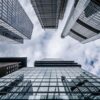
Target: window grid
<point>51,85</point>
<point>14,15</point>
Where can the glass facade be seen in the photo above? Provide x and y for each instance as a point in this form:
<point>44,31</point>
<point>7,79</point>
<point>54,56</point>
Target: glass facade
<point>49,11</point>
<point>13,21</point>
<point>49,83</point>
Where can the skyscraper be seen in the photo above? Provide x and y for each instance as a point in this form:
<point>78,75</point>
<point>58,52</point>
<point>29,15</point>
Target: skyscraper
<point>84,21</point>
<point>49,11</point>
<point>9,65</point>
<point>51,80</point>
<point>15,25</point>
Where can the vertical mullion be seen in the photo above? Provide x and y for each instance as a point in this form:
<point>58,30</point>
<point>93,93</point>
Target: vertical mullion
<point>58,84</point>
<point>55,87</point>
<point>48,86</point>
<point>35,81</point>
<point>67,86</point>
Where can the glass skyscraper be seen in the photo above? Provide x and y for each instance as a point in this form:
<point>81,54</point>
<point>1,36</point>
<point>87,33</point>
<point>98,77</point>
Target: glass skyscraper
<point>49,11</point>
<point>13,22</point>
<point>50,80</point>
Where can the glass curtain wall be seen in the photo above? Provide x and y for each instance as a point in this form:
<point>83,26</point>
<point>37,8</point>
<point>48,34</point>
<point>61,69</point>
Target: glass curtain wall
<point>42,83</point>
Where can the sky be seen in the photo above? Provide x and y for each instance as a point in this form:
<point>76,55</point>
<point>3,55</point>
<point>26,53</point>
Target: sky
<point>49,44</point>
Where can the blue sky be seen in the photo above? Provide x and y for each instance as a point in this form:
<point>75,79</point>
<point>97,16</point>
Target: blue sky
<point>48,44</point>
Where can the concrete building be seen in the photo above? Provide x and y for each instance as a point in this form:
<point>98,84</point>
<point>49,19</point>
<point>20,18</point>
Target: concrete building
<point>13,21</point>
<point>9,65</point>
<point>50,80</point>
<point>84,21</point>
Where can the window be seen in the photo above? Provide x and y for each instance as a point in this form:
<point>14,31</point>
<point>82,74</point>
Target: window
<point>43,89</point>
